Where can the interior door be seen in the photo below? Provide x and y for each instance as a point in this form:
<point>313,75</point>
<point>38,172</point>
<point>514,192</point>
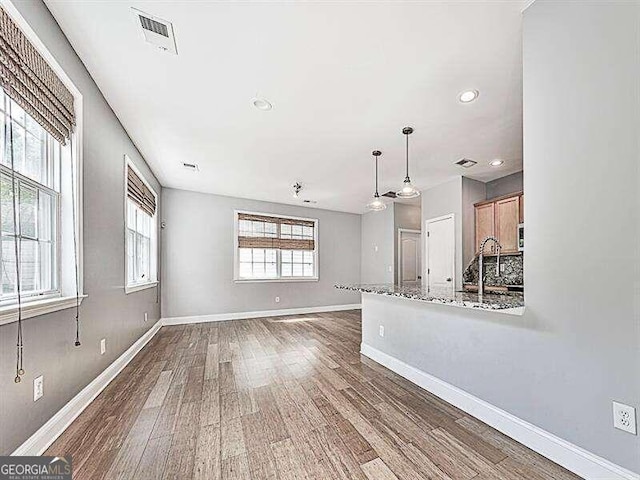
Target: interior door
<point>409,258</point>
<point>440,248</point>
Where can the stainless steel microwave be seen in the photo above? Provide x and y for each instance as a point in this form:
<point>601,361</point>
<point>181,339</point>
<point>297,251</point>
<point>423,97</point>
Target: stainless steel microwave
<point>521,237</point>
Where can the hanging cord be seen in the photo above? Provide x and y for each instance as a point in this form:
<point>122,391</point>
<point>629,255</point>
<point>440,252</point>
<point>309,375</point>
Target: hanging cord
<point>16,245</point>
<point>406,135</point>
<point>75,241</point>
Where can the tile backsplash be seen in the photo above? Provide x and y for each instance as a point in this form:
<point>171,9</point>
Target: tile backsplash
<point>513,273</point>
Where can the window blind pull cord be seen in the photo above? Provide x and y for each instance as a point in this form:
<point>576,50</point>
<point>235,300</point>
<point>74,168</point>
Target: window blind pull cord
<point>75,241</point>
<point>16,245</point>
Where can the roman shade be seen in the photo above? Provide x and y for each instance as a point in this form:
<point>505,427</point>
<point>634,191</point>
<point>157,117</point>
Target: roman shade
<point>28,80</point>
<point>279,235</point>
<point>139,193</point>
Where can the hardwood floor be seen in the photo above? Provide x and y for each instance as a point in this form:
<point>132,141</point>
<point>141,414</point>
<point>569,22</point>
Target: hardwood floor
<point>281,398</point>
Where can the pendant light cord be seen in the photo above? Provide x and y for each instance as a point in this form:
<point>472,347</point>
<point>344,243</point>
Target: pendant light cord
<point>16,247</point>
<point>406,135</point>
<point>75,241</point>
<point>377,195</point>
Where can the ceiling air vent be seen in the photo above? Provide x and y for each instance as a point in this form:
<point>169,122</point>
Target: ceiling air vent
<point>466,163</point>
<point>156,31</point>
<point>190,166</point>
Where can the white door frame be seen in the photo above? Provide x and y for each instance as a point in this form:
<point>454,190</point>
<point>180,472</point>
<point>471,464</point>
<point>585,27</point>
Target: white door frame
<point>426,247</point>
<point>399,260</point>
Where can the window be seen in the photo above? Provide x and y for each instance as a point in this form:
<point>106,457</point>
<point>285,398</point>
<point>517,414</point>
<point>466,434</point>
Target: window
<point>275,248</point>
<point>141,231</point>
<point>36,169</point>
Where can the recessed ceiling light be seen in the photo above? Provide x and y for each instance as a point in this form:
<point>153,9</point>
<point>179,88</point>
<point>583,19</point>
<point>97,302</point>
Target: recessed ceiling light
<point>262,104</point>
<point>496,163</point>
<point>468,96</point>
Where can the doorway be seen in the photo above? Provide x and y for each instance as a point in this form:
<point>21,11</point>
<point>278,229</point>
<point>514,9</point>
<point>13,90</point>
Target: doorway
<point>409,261</point>
<point>440,252</point>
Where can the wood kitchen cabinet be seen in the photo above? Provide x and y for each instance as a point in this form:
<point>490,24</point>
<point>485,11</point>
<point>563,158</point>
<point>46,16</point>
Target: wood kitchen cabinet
<point>485,225</point>
<point>499,217</point>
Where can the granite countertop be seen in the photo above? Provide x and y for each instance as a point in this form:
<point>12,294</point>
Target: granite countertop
<point>511,302</point>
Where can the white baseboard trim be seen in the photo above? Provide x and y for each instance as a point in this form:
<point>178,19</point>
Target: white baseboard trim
<point>50,431</point>
<point>573,458</point>
<point>220,317</point>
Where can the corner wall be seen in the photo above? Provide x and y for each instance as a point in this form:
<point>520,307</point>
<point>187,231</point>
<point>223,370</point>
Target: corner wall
<point>107,312</point>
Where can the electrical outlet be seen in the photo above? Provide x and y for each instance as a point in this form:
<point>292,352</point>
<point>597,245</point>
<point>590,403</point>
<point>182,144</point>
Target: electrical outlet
<point>375,248</point>
<point>381,333</point>
<point>277,299</point>
<point>624,417</point>
<point>38,388</point>
<point>146,316</point>
<point>103,346</point>
<point>390,268</point>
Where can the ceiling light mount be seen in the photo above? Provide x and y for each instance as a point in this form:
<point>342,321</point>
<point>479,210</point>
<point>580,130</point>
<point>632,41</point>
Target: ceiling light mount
<point>262,104</point>
<point>297,188</point>
<point>496,162</point>
<point>408,190</point>
<point>468,96</point>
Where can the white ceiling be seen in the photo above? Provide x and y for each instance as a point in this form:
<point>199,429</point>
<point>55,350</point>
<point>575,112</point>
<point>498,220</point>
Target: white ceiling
<point>344,78</point>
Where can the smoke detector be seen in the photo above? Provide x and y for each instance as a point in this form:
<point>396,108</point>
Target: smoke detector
<point>156,31</point>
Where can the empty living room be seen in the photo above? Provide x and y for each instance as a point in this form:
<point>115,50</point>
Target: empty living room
<point>285,239</point>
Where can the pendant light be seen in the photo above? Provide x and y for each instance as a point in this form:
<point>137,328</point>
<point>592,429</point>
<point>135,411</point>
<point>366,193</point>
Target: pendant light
<point>408,190</point>
<point>376,204</point>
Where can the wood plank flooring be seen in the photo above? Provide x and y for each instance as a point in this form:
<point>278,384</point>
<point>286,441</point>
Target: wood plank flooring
<point>281,398</point>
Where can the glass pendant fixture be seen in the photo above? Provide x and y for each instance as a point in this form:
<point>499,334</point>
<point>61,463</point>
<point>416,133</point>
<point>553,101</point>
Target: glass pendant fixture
<point>376,204</point>
<point>408,190</point>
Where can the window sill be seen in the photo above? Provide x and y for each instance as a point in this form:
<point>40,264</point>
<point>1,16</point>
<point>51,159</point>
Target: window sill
<point>275,280</point>
<point>34,308</point>
<point>140,286</point>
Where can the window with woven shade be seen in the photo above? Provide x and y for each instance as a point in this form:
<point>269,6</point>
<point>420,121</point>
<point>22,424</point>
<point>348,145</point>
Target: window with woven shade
<point>141,231</point>
<point>270,247</point>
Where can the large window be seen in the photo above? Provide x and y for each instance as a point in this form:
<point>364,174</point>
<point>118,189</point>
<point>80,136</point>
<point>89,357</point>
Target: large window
<point>275,247</point>
<point>35,157</point>
<point>141,231</point>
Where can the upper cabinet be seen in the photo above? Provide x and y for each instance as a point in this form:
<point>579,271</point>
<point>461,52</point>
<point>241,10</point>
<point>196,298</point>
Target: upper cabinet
<point>485,225</point>
<point>499,217</point>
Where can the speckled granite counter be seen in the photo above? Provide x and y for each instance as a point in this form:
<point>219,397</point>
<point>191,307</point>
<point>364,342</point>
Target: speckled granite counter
<point>512,303</point>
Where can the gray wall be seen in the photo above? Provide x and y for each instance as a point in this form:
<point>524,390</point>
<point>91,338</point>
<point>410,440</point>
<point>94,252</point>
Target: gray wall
<point>377,248</point>
<point>577,347</point>
<point>404,216</point>
<point>473,191</point>
<point>198,244</point>
<point>442,200</point>
<point>107,312</point>
<point>505,185</point>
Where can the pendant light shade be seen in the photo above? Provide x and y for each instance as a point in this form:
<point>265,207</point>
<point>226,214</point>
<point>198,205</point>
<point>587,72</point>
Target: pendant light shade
<point>376,204</point>
<point>407,190</point>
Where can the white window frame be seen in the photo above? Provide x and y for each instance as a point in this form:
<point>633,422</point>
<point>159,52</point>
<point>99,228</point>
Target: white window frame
<point>66,296</point>
<point>279,278</point>
<point>153,250</point>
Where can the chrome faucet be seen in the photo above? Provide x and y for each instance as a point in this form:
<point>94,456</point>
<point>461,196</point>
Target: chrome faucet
<point>481,263</point>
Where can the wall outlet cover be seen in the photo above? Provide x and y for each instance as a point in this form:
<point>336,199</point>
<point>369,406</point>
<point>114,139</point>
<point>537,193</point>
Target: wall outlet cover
<point>381,330</point>
<point>103,346</point>
<point>624,418</point>
<point>38,388</point>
